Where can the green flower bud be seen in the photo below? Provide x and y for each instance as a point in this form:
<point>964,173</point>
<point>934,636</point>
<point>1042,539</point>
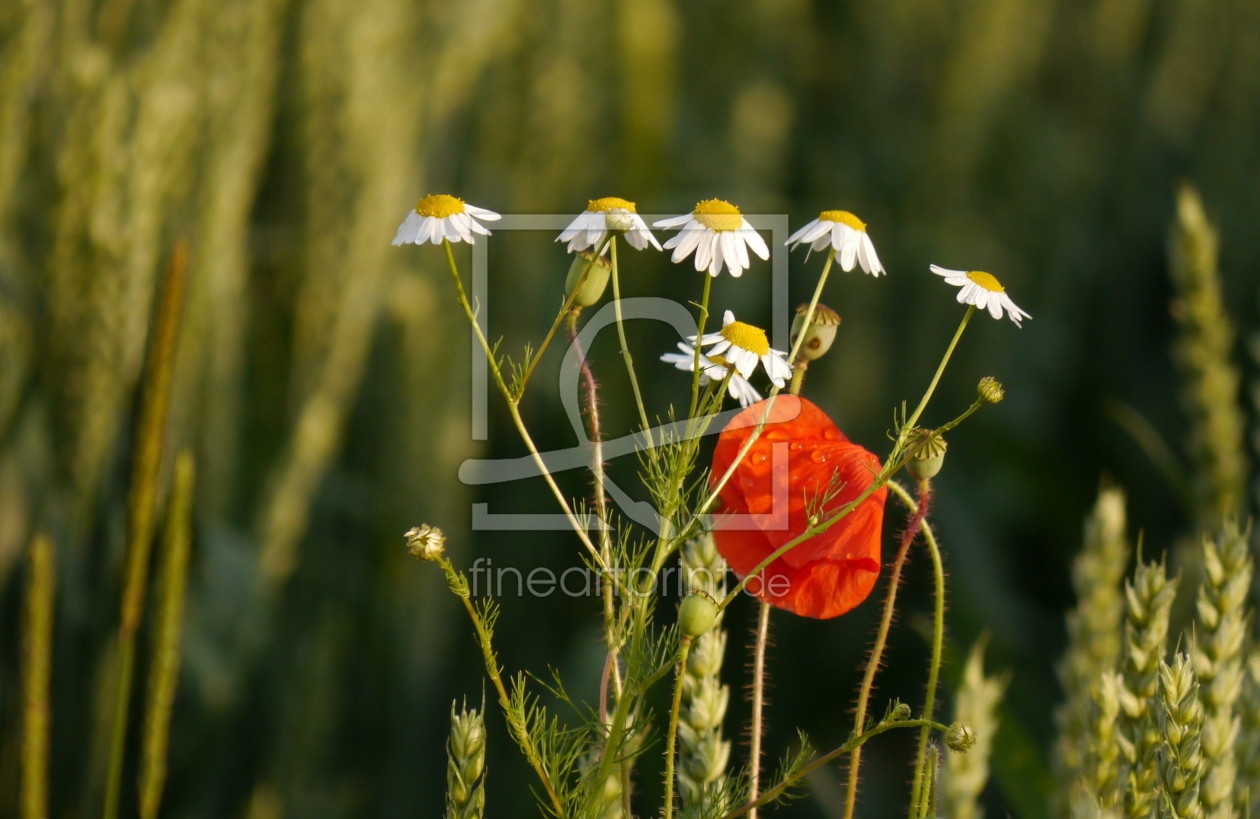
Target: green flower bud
<point>900,713</point>
<point>821,332</point>
<point>990,390</point>
<point>960,737</point>
<point>927,454</point>
<point>590,289</point>
<point>697,613</point>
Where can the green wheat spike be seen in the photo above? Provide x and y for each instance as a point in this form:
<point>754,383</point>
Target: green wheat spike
<point>1216,648</point>
<point>1149,596</point>
<point>1202,352</point>
<point>702,751</point>
<point>976,702</point>
<point>1181,762</point>
<point>466,764</point>
<point>1094,634</point>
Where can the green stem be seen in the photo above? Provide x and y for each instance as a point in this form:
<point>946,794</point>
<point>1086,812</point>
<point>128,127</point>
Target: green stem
<point>919,788</point>
<point>877,652</point>
<point>949,351</point>
<point>809,312</point>
<point>701,320</point>
<point>817,762</point>
<point>141,506</point>
<point>601,499</point>
<point>565,310</point>
<point>625,348</point>
<point>514,410</point>
<point>518,729</point>
<point>709,500</point>
<point>758,704</point>
<point>671,737</point>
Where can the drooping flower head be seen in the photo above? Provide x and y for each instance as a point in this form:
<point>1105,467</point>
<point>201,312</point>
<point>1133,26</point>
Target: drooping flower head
<point>439,216</point>
<point>983,290</point>
<point>718,234</point>
<point>743,346</point>
<point>601,216</point>
<point>800,458</point>
<point>846,234</point>
<point>714,369</point>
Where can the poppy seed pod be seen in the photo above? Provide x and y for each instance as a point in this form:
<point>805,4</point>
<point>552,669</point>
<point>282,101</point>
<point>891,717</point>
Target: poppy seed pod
<point>587,288</point>
<point>927,454</point>
<point>821,332</point>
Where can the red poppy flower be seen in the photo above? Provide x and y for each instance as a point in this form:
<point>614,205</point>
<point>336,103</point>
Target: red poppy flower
<point>800,456</point>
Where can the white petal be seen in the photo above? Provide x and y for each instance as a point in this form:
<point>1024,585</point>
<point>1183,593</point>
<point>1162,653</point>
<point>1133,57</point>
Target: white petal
<point>741,390</point>
<point>727,317</point>
<point>799,236</point>
<point>868,257</point>
<point>719,348</point>
<point>745,362</point>
<point>848,249</point>
<point>673,221</point>
<point>706,249</point>
<point>754,240</point>
<point>945,271</point>
<point>433,230</point>
<point>409,230</point>
<point>482,213</point>
<point>776,367</point>
<point>995,305</point>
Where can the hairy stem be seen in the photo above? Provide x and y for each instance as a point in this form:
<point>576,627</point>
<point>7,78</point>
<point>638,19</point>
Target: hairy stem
<point>758,703</point>
<point>915,522</point>
<point>771,794</point>
<point>671,736</point>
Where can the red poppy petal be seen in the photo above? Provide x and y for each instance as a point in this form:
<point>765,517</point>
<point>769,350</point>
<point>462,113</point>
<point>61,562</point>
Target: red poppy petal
<point>829,588</point>
<point>800,456</point>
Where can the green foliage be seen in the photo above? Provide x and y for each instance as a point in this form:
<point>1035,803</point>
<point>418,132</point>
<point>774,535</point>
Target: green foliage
<point>321,379</point>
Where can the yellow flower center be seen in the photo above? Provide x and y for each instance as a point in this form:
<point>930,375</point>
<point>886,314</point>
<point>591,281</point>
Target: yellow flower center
<point>439,206</point>
<point>987,281</point>
<point>609,203</point>
<point>844,218</point>
<point>746,337</point>
<point>718,215</point>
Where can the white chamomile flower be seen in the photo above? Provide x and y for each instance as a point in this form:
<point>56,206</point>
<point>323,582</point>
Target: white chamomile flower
<point>846,234</point>
<point>742,346</point>
<point>437,217</point>
<point>718,234</point>
<point>982,290</point>
<point>602,216</point>
<point>713,369</point>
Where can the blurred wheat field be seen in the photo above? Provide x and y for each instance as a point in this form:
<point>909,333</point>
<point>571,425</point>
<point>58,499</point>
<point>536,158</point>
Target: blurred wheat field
<point>321,383</point>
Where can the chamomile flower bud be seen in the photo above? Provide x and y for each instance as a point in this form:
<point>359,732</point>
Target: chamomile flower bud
<point>990,390</point>
<point>697,613</point>
<point>821,332</point>
<point>900,713</point>
<point>609,215</point>
<point>588,276</point>
<point>960,737</point>
<point>426,542</point>
<point>927,454</point>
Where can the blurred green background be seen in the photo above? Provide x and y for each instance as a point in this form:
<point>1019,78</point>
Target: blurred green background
<point>322,379</point>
